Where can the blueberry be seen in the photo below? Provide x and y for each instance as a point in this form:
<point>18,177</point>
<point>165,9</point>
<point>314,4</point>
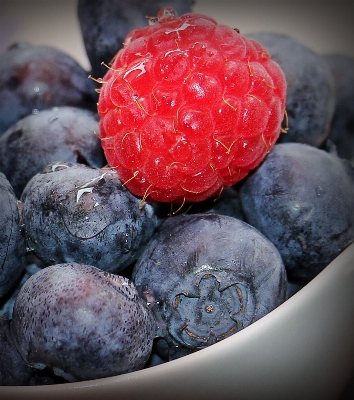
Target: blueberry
<point>82,322</point>
<point>13,369</point>
<point>342,125</point>
<point>206,277</point>
<point>294,286</point>
<point>154,359</point>
<point>105,24</point>
<point>302,199</point>
<point>59,133</point>
<point>310,88</point>
<point>228,203</point>
<point>7,302</point>
<point>33,78</point>
<point>72,212</point>
<point>12,240</point>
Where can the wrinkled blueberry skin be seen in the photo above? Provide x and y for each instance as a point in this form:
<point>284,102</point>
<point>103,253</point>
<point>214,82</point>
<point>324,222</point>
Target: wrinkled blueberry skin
<point>72,212</point>
<point>13,369</point>
<point>12,240</point>
<point>302,199</point>
<point>59,133</point>
<point>310,88</point>
<point>342,125</point>
<point>105,24</point>
<point>34,77</point>
<point>206,277</point>
<point>82,322</point>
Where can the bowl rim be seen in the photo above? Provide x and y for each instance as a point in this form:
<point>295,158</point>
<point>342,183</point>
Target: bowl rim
<point>249,363</point>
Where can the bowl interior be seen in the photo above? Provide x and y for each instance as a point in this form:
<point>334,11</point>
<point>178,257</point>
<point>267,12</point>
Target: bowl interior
<point>304,349</point>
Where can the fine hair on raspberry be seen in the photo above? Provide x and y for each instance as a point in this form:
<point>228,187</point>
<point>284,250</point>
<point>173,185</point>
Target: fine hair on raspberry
<point>187,107</point>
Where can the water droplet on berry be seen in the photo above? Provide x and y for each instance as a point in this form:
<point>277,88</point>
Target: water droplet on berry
<point>38,365</point>
<point>319,191</point>
<point>166,12</point>
<point>152,20</point>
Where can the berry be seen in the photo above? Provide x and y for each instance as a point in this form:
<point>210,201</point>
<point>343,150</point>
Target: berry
<point>55,134</point>
<point>72,212</point>
<point>302,199</point>
<point>13,370</point>
<point>105,23</point>
<point>33,78</point>
<point>188,107</point>
<point>7,302</point>
<point>82,323</point>
<point>207,276</point>
<point>12,240</point>
<point>342,124</point>
<point>310,88</point>
<point>228,203</point>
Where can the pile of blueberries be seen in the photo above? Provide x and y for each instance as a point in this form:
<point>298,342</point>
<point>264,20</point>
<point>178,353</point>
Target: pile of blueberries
<point>95,282</point>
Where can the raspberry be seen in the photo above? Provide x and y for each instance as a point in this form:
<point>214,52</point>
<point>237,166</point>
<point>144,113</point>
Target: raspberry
<point>188,107</point>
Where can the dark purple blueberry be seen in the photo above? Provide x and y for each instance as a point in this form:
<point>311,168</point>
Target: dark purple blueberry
<point>7,302</point>
<point>154,360</point>
<point>14,371</point>
<point>12,240</point>
<point>72,212</point>
<point>310,88</point>
<point>82,323</point>
<point>294,287</point>
<point>59,133</point>
<point>342,125</point>
<point>206,277</point>
<point>302,199</point>
<point>105,24</point>
<point>33,78</point>
<point>228,203</point>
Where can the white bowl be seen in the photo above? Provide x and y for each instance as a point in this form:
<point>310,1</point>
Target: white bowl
<point>302,350</point>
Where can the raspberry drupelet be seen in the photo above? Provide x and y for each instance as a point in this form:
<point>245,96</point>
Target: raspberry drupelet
<point>187,107</point>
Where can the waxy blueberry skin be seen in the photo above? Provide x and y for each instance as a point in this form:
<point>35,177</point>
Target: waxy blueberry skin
<point>342,124</point>
<point>302,199</point>
<point>82,322</point>
<point>207,276</point>
<point>59,133</point>
<point>310,98</point>
<point>12,239</point>
<point>13,369</point>
<point>33,78</point>
<point>72,212</point>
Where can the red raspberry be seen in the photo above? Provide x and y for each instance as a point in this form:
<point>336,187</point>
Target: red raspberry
<point>187,107</point>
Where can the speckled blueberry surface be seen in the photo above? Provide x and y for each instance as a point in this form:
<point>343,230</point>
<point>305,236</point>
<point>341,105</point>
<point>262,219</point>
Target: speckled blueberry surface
<point>82,323</point>
<point>72,212</point>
